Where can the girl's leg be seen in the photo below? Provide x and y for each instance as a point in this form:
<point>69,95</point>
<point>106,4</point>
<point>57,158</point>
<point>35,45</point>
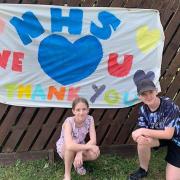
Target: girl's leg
<point>82,156</point>
<point>172,172</point>
<point>68,160</point>
<point>90,155</point>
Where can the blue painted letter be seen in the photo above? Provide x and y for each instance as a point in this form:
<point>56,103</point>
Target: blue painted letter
<point>27,28</point>
<point>73,22</point>
<point>108,20</point>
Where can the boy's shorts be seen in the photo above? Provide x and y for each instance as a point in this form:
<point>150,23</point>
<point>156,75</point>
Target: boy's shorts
<point>173,152</point>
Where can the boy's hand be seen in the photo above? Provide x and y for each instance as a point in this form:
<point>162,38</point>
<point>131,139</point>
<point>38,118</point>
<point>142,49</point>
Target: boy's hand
<point>137,133</point>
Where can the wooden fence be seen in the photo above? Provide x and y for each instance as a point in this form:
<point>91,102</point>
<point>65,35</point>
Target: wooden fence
<point>26,130</point>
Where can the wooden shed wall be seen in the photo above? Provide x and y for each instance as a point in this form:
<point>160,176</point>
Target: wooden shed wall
<point>24,129</point>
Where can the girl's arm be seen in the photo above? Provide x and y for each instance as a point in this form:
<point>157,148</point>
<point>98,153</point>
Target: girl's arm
<point>68,140</point>
<point>92,133</point>
<point>167,133</point>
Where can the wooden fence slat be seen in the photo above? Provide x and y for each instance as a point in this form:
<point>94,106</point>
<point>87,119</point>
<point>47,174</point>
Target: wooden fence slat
<point>18,130</point>
<point>58,2</point>
<point>177,99</point>
<point>157,5</point>
<point>56,135</point>
<point>97,114</point>
<point>88,3</point>
<point>104,3</point>
<point>124,150</point>
<point>118,3</point>
<point>171,28</point>
<point>11,158</point>
<point>104,123</point>
<point>33,130</point>
<point>43,1</point>
<point>165,4</point>
<point>165,15</point>
<point>13,1</point>
<point>172,5</point>
<point>174,88</point>
<point>170,52</point>
<point>115,126</point>
<point>170,73</point>
<point>28,2</point>
<point>74,2</point>
<point>146,4</point>
<point>3,109</point>
<point>47,129</point>
<point>132,4</point>
<point>128,126</point>
<point>8,122</point>
<point>52,142</point>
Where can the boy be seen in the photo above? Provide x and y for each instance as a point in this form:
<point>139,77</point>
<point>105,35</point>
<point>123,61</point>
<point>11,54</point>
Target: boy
<point>159,125</point>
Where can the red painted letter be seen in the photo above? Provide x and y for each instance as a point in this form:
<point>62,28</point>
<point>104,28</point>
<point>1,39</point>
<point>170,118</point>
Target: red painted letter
<point>4,58</point>
<point>17,61</point>
<point>119,70</point>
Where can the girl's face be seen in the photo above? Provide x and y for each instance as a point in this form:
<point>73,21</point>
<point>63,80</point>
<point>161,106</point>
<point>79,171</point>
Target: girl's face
<point>80,112</point>
<point>149,97</point>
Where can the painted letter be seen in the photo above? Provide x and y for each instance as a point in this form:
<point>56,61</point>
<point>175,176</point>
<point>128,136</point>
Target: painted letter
<point>17,61</point>
<point>24,90</point>
<point>119,70</point>
<point>38,92</point>
<point>109,21</point>
<point>98,92</point>
<point>112,97</point>
<point>129,101</point>
<point>27,28</point>
<point>73,93</point>
<point>73,22</point>
<point>58,93</point>
<point>11,88</point>
<point>4,56</point>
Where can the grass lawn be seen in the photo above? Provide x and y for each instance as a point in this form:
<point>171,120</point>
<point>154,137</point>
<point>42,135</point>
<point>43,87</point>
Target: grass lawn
<point>107,167</point>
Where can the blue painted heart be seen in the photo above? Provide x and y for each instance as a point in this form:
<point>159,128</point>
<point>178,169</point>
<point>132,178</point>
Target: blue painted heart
<point>67,62</point>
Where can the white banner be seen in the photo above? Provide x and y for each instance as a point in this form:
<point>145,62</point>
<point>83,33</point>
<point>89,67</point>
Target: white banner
<point>51,54</point>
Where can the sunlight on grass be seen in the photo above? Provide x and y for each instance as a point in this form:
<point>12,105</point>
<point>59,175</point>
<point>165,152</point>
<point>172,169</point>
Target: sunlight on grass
<point>107,167</point>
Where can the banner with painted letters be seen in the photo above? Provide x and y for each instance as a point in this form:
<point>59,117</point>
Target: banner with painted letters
<point>51,54</point>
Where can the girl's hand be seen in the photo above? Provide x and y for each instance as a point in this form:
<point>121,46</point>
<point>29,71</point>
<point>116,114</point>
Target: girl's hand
<point>78,160</point>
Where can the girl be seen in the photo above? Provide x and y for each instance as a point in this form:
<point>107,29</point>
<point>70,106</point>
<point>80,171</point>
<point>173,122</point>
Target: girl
<point>71,145</point>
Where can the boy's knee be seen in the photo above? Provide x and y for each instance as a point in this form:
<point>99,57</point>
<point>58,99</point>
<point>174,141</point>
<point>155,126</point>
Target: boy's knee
<point>133,136</point>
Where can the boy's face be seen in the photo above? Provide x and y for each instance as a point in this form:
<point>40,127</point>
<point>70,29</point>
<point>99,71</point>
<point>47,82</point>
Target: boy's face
<point>149,97</point>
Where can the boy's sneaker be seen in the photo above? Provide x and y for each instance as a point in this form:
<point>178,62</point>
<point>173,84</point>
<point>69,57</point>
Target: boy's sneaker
<point>140,173</point>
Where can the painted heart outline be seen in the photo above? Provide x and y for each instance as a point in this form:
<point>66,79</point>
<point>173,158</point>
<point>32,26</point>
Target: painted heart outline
<point>139,75</point>
<point>147,38</point>
<point>67,62</point>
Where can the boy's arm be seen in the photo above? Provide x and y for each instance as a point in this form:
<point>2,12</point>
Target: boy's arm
<point>167,133</point>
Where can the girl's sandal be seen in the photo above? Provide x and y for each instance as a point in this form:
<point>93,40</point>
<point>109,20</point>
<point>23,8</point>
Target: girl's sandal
<point>80,170</point>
